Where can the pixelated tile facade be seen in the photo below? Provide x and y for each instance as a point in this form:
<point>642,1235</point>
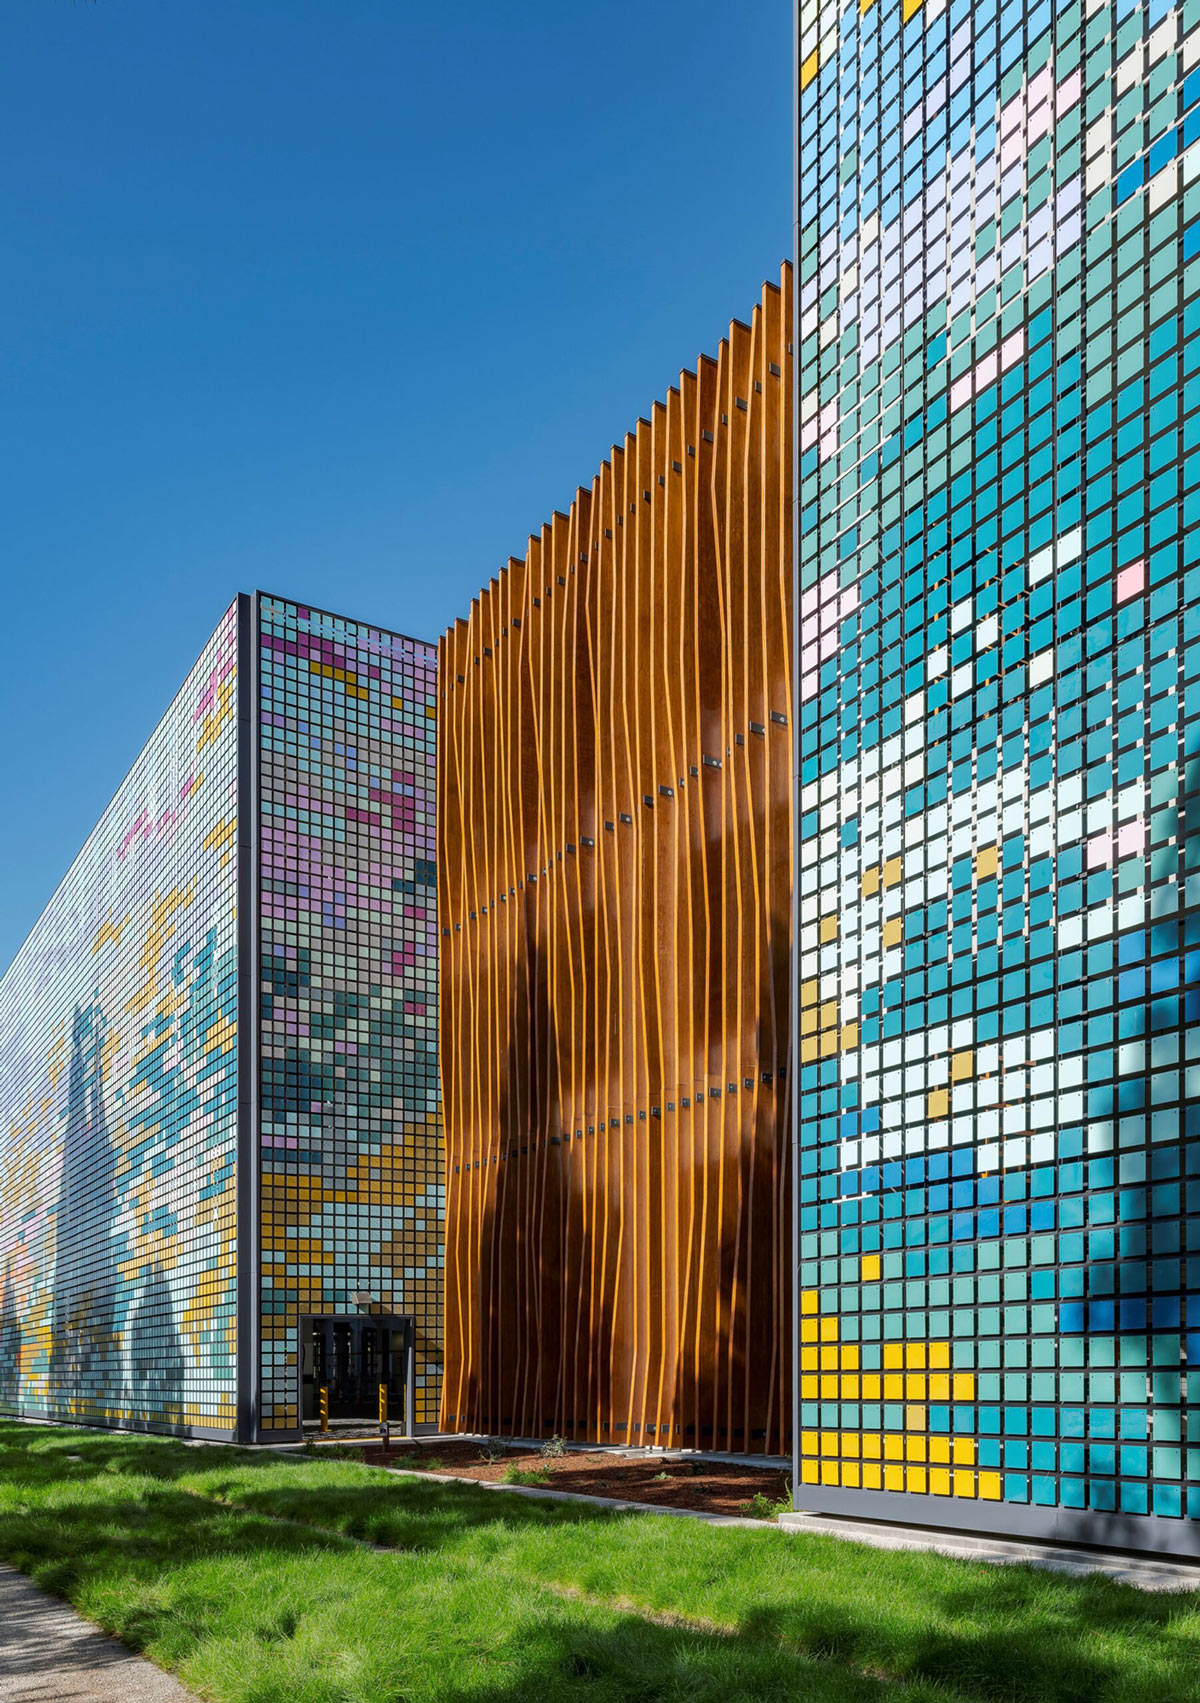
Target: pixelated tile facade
<point>351,1174</point>
<point>118,1096</point>
<point>998,357</point>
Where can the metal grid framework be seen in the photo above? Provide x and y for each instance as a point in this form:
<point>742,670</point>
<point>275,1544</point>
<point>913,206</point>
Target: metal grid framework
<point>350,1159</point>
<point>998,708</point>
<point>118,1097</point>
<point>269,859</point>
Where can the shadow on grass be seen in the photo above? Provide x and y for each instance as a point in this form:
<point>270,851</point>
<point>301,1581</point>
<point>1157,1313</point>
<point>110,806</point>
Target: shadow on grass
<point>99,1535</point>
<point>970,1633</point>
<point>137,1541</point>
<point>1011,1639</point>
<point>631,1661</point>
<point>409,1513</point>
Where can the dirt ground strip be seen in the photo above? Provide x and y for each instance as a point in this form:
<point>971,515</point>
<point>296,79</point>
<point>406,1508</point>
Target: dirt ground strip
<point>710,1487</point>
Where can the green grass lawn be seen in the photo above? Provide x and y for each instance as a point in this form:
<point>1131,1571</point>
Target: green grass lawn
<point>267,1579</point>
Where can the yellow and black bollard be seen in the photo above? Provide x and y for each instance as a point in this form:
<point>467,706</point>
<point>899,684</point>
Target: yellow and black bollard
<point>385,1430</point>
<point>323,1406</point>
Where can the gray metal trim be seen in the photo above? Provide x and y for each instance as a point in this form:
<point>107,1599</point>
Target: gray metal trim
<point>351,620</point>
<point>248,1234</point>
<point>1149,1533</point>
<point>410,1377</point>
<point>131,1428</point>
<point>794,1048</point>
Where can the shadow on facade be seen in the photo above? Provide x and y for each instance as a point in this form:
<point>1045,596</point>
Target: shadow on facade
<point>500,1395</point>
<point>1132,1290</point>
<point>155,1350</point>
<point>597,1260</point>
<point>10,1346</point>
<point>85,1349</point>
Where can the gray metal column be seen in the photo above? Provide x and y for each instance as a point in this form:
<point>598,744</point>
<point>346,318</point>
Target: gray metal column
<point>248,1282</point>
<point>410,1377</point>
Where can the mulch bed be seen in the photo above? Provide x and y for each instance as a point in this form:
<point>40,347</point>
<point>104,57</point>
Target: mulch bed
<point>711,1487</point>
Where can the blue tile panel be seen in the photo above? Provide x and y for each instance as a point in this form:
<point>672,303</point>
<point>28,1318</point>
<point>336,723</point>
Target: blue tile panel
<point>999,859</point>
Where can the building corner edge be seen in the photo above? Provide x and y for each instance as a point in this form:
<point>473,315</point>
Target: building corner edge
<point>248,1421</point>
<point>794,1014</point>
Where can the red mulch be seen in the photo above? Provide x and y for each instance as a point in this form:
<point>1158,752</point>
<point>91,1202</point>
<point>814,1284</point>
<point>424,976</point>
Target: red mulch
<point>711,1487</point>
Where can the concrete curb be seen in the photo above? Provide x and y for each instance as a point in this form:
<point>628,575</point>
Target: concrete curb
<point>608,1503</point>
<point>1145,1572</point>
<point>1140,1571</point>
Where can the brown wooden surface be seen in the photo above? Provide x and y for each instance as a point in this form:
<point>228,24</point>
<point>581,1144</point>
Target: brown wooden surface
<point>615,916</point>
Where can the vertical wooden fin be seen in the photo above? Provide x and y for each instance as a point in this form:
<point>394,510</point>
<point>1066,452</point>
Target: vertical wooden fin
<point>614,887</point>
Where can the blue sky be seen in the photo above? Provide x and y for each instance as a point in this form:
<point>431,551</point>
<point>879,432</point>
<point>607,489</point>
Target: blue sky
<point>337,298</point>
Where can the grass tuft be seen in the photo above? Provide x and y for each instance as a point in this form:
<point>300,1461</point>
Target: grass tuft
<point>764,1507</point>
<point>533,1475</point>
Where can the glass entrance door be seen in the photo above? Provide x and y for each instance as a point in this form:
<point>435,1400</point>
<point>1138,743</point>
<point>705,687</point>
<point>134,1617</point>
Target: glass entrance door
<point>351,1357</point>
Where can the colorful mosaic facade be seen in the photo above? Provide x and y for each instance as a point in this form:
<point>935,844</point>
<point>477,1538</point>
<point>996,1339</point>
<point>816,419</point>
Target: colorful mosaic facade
<point>352,1182</point>
<point>998,356</point>
<point>128,1086</point>
<point>118,1096</point>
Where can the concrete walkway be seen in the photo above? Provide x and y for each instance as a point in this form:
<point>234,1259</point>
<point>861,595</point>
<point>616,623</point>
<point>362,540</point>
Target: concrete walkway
<point>50,1654</point>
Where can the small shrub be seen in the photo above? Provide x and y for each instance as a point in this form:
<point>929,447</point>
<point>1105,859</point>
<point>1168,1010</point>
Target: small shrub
<point>527,1475</point>
<point>662,1478</point>
<point>762,1507</point>
<point>491,1452</point>
<point>553,1449</point>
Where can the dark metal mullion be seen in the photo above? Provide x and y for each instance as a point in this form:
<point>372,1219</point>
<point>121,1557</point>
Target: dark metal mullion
<point>249,1377</point>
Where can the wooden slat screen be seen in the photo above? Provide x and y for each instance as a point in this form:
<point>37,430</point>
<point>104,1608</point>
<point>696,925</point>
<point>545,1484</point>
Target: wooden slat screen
<point>614,798</point>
